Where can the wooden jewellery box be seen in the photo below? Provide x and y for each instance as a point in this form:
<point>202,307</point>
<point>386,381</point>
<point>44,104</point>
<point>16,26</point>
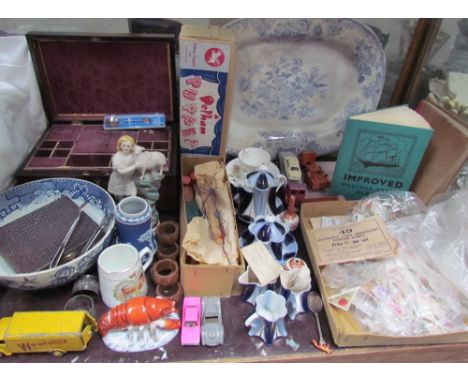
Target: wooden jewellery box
<point>82,78</point>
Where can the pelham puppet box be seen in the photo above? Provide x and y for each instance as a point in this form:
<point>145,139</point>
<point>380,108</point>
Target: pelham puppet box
<point>84,77</point>
<point>206,80</point>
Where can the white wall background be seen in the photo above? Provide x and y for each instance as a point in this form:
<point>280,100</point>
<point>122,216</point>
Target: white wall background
<point>22,26</point>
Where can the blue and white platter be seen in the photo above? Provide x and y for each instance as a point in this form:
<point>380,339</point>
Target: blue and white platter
<point>298,80</point>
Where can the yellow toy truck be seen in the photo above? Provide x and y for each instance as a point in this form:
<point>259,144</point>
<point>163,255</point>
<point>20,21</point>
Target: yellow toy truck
<point>54,332</point>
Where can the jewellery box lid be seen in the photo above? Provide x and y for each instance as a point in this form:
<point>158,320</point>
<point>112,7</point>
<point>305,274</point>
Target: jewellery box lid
<point>83,77</point>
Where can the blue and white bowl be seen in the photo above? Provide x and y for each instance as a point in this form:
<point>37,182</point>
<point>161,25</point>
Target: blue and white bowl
<point>23,199</point>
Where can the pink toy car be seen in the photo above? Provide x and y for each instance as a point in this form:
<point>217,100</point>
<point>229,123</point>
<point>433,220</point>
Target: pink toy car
<point>191,321</point>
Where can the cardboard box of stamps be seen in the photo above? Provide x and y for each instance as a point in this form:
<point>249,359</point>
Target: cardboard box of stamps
<point>344,327</point>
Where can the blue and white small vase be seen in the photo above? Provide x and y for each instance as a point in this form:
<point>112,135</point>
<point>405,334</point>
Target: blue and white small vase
<point>267,322</point>
<point>281,252</point>
<point>268,229</point>
<point>296,283</point>
<point>275,235</point>
<point>261,182</point>
<point>133,221</point>
<point>252,287</point>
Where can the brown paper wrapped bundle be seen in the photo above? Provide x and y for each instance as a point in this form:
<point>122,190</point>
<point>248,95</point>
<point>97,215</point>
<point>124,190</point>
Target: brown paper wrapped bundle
<point>214,201</point>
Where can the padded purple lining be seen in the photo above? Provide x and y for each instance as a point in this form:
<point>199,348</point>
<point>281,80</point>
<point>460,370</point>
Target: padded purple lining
<point>63,132</point>
<point>94,78</point>
<point>94,142</point>
<point>93,139</point>
<point>46,162</point>
<point>108,77</point>
<point>153,135</point>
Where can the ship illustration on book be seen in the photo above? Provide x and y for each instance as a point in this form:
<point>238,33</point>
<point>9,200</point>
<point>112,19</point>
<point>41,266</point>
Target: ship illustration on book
<point>379,152</point>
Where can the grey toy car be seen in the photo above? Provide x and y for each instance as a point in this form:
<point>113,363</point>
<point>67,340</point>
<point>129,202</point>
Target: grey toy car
<point>212,323</point>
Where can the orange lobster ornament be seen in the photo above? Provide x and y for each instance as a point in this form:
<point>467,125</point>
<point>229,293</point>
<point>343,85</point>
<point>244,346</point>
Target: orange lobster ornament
<point>139,311</point>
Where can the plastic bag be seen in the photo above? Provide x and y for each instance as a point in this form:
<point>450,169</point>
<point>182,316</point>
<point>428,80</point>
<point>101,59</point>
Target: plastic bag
<point>461,180</point>
<point>390,205</point>
<point>22,118</point>
<point>423,289</point>
<point>444,232</point>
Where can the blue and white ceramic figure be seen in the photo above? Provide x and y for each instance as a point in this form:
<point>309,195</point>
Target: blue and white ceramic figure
<point>133,220</point>
<point>281,253</point>
<point>275,235</point>
<point>267,322</point>
<point>252,287</point>
<point>296,283</point>
<point>261,182</point>
<point>148,188</point>
<point>298,81</point>
<point>26,198</point>
<point>268,229</point>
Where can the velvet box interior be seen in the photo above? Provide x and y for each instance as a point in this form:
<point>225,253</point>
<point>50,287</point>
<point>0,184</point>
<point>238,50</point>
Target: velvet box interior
<point>83,78</point>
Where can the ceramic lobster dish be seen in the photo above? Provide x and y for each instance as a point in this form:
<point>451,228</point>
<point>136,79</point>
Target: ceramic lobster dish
<point>138,312</point>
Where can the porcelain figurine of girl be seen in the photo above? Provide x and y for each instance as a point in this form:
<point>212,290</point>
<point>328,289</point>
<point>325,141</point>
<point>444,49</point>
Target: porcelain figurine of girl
<point>121,181</point>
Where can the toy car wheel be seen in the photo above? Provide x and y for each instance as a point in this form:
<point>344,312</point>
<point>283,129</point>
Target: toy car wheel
<point>57,353</point>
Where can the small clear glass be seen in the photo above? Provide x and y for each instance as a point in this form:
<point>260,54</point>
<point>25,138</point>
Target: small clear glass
<point>81,302</point>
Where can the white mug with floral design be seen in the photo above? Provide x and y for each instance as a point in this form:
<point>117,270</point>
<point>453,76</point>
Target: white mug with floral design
<point>121,270</point>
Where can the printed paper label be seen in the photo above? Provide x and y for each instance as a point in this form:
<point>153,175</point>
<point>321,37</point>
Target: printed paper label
<point>199,113</point>
<point>367,239</point>
<point>261,262</point>
<point>344,299</point>
<point>327,221</point>
<point>203,82</point>
<point>204,56</point>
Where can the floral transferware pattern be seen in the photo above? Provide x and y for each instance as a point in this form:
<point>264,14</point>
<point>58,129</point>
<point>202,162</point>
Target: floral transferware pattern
<point>284,90</point>
<point>133,286</point>
<point>298,80</point>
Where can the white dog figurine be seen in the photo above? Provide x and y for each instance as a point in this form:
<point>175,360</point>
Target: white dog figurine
<point>150,160</point>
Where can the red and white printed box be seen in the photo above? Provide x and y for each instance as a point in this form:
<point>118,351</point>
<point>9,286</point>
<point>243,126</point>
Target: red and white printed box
<point>206,80</point>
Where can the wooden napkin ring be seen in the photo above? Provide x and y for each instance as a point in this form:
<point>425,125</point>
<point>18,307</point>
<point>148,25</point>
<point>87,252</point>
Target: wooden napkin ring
<point>170,251</point>
<point>173,292</point>
<point>165,272</point>
<point>167,232</point>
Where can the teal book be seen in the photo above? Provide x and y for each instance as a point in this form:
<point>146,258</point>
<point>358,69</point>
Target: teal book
<point>380,151</point>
